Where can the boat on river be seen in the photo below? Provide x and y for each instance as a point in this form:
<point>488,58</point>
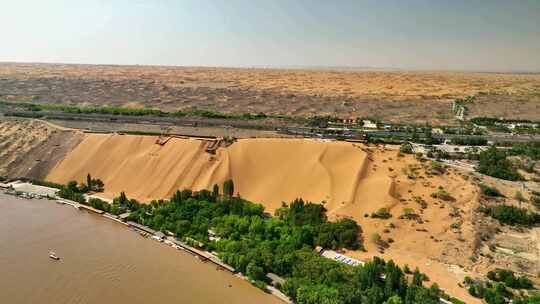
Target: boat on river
<point>53,256</point>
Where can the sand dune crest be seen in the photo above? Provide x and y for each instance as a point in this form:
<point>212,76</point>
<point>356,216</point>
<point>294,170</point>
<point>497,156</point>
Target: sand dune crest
<point>267,171</point>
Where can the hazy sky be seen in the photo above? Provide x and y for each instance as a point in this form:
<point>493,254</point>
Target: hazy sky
<point>420,34</point>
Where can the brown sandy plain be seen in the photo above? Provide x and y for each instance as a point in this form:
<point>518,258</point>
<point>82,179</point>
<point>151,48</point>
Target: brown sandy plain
<point>397,96</point>
<point>351,180</point>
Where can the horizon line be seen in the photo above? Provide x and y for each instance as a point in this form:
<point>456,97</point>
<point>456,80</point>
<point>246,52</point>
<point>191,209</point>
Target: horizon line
<point>291,67</point>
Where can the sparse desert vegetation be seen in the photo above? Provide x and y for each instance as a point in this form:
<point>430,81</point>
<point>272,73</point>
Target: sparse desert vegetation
<point>392,96</point>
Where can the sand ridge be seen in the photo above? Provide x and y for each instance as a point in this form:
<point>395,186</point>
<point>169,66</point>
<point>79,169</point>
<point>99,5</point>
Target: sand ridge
<point>268,171</point>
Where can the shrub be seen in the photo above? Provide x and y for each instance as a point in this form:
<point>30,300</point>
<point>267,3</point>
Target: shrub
<point>490,191</point>
<point>437,167</point>
<point>419,200</point>
<point>406,148</point>
<point>509,279</point>
<point>376,238</point>
<point>408,213</point>
<point>442,195</point>
<point>382,213</point>
<point>511,215</point>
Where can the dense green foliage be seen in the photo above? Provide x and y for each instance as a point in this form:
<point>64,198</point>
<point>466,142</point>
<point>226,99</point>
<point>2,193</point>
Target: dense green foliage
<point>534,299</point>
<point>228,188</point>
<point>490,121</point>
<point>501,288</point>
<point>510,279</point>
<point>75,192</point>
<point>529,149</point>
<point>255,245</point>
<point>72,192</point>
<point>35,108</point>
<point>95,185</point>
<point>493,162</point>
<point>511,215</point>
<point>47,184</point>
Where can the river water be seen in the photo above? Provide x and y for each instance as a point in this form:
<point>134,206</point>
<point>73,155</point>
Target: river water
<point>102,262</point>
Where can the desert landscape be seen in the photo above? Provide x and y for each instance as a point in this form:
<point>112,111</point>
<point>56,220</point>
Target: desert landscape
<point>374,152</point>
<point>350,180</point>
<point>391,195</point>
<point>29,149</point>
<point>394,96</point>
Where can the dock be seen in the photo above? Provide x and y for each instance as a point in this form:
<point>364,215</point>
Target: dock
<point>203,255</point>
<point>78,205</point>
<point>91,209</point>
<point>141,228</point>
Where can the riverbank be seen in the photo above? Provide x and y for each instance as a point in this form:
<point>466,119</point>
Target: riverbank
<point>210,256</point>
<point>101,262</point>
<point>37,192</point>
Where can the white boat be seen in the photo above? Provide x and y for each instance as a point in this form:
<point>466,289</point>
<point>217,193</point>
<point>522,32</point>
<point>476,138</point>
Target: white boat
<point>53,256</point>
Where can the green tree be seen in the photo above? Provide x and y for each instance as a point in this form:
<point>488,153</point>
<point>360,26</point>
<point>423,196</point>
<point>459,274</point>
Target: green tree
<point>255,272</point>
<point>228,188</point>
<point>215,191</point>
<point>122,200</point>
<point>493,162</point>
<point>394,300</point>
<point>72,186</point>
<point>317,294</point>
<point>417,277</point>
<point>98,185</point>
<point>89,181</point>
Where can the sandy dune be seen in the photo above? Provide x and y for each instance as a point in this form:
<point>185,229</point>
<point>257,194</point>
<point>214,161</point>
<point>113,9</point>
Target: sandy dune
<point>351,180</point>
<point>269,171</point>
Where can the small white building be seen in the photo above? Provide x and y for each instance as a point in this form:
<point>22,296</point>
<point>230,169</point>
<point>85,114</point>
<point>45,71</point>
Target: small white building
<point>437,131</point>
<point>332,255</point>
<point>368,124</point>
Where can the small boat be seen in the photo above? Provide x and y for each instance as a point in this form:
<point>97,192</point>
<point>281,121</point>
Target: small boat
<point>53,256</point>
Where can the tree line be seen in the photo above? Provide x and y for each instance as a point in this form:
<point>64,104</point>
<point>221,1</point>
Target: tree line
<point>493,162</point>
<point>256,244</point>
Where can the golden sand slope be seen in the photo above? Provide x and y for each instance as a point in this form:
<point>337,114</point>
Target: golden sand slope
<point>353,180</point>
<point>141,168</point>
<point>269,171</point>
